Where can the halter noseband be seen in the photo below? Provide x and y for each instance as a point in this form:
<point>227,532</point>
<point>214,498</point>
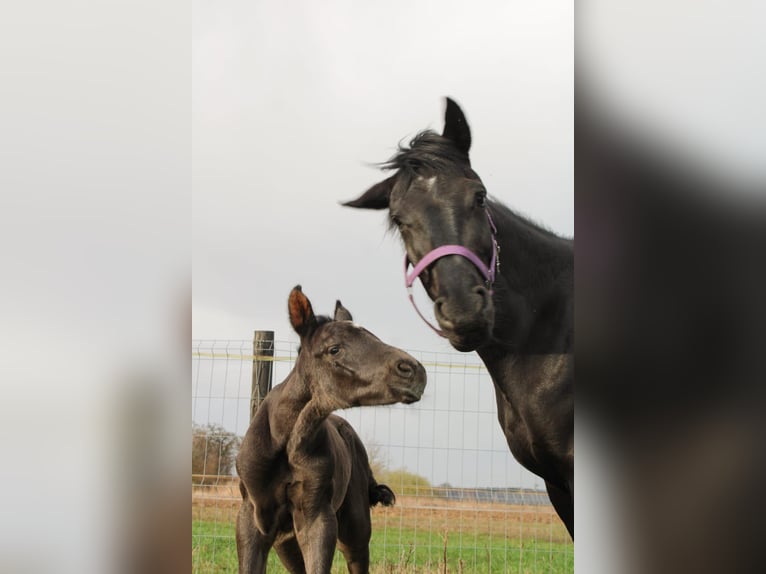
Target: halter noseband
<point>488,272</point>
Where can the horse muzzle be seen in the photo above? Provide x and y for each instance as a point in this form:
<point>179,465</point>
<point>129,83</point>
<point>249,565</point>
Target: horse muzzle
<point>466,321</point>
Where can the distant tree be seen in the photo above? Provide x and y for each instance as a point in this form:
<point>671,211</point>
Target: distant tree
<point>213,452</point>
<point>377,461</point>
<point>401,481</point>
<point>404,482</point>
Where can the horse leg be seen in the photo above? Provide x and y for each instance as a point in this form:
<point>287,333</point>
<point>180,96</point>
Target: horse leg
<point>252,546</point>
<point>317,535</point>
<point>290,554</point>
<point>563,503</point>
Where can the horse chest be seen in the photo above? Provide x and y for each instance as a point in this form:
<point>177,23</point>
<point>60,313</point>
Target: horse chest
<point>533,417</point>
<point>518,434</point>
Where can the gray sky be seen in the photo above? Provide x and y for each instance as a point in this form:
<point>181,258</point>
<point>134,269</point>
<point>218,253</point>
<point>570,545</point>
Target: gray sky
<point>292,102</point>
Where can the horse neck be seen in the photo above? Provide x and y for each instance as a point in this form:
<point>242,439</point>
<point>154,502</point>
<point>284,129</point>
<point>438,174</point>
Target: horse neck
<point>529,255</point>
<point>535,272</point>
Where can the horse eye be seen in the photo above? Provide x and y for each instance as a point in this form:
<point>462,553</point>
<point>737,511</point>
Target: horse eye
<point>396,221</point>
<point>334,350</point>
<point>481,199</point>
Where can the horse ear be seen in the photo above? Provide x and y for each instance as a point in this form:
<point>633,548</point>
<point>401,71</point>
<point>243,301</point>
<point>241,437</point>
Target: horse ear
<point>301,314</point>
<point>456,127</point>
<point>341,313</point>
<point>376,197</point>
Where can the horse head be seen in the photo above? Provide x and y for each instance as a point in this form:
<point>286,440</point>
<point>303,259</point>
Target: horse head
<point>439,206</point>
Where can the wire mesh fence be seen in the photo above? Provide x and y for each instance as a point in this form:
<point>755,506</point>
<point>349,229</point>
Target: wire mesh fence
<point>463,503</point>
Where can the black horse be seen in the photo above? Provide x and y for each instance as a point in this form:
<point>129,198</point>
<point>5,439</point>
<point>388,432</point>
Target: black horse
<point>518,316</point>
<point>304,475</point>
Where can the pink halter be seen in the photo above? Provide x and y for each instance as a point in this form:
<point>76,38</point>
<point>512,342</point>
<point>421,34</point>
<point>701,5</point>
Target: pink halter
<point>488,272</point>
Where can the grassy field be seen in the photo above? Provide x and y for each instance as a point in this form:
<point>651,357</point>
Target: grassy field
<point>419,535</point>
<point>403,551</point>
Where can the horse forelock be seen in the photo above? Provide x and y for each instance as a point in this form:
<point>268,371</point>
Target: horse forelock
<point>428,154</point>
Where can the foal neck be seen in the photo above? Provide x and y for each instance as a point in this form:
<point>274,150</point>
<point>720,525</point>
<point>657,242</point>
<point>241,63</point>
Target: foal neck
<point>301,412</point>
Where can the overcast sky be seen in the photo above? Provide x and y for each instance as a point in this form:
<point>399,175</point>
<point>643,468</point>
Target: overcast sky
<point>294,101</point>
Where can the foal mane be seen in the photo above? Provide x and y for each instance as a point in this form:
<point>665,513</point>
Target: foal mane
<point>320,320</point>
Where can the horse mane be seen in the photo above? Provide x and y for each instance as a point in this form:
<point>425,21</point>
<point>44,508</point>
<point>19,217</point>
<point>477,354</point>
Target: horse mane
<point>430,153</point>
<point>427,153</point>
<point>530,227</point>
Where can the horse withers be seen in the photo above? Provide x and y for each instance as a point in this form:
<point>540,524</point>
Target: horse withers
<point>305,478</point>
<point>501,285</point>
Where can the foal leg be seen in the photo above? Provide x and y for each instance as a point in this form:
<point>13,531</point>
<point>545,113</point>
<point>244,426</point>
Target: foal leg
<point>290,554</point>
<point>252,546</point>
<point>354,533</point>
<point>563,503</point>
<point>357,556</point>
<point>317,535</point>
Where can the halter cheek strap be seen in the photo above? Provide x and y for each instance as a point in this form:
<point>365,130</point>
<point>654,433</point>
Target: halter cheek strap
<point>488,272</point>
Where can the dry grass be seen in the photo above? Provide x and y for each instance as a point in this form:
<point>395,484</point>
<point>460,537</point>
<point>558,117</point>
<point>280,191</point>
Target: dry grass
<point>220,503</point>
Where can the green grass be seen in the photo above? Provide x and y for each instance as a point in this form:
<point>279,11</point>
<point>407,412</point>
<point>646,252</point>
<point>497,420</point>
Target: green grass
<point>402,551</point>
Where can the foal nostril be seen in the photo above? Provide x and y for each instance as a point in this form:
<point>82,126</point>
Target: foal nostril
<point>405,369</point>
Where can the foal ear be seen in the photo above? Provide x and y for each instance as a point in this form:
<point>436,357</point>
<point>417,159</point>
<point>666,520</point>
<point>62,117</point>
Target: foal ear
<point>376,197</point>
<point>301,314</point>
<point>456,127</point>
<point>341,313</point>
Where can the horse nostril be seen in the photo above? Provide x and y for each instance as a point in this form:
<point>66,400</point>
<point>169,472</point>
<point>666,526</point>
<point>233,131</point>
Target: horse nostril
<point>482,292</point>
<point>405,369</point>
<point>440,308</point>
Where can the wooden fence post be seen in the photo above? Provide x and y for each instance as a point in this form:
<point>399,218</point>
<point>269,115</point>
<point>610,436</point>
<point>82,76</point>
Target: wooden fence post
<point>263,368</point>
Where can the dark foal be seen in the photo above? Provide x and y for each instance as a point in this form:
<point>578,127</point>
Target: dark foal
<point>305,479</point>
<point>518,316</point>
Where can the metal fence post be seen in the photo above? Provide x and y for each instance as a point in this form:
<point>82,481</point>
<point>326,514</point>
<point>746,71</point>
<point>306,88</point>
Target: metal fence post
<point>263,368</point>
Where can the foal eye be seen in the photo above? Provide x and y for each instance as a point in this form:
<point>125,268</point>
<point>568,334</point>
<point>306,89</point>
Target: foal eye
<point>396,221</point>
<point>481,199</point>
<point>334,350</point>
